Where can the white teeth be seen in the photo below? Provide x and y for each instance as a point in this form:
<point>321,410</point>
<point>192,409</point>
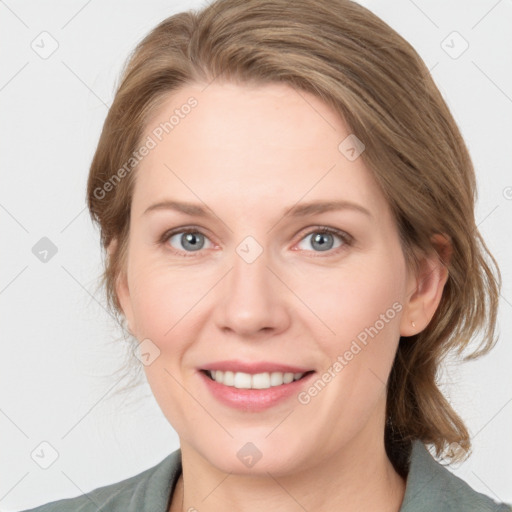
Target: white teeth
<point>229,378</point>
<point>260,381</point>
<point>242,380</point>
<point>276,378</point>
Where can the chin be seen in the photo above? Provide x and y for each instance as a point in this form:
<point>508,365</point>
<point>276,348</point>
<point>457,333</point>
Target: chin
<point>256,458</point>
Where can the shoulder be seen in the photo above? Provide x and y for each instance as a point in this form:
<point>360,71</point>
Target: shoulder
<point>148,490</point>
<point>431,486</point>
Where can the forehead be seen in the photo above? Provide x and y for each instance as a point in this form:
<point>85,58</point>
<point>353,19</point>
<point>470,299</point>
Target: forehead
<point>225,141</point>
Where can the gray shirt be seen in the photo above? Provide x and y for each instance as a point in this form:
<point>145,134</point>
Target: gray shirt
<point>430,487</point>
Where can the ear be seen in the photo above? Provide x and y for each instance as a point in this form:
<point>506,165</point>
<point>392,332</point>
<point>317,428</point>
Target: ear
<point>425,287</point>
<point>122,290</point>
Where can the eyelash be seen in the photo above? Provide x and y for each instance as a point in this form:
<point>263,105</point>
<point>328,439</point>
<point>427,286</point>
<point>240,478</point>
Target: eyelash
<point>347,239</point>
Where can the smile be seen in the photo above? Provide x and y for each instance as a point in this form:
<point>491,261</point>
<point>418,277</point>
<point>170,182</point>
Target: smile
<point>241,380</point>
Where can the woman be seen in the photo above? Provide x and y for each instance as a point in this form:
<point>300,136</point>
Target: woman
<point>293,261</point>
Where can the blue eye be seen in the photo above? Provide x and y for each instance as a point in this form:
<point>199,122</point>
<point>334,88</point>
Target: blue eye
<point>190,241</point>
<point>325,239</point>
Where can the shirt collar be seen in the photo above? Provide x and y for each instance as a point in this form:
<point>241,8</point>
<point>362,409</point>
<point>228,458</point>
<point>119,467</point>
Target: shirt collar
<point>431,486</point>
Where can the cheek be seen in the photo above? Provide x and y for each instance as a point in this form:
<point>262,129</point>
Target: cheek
<point>363,308</point>
<point>354,297</point>
<point>164,299</point>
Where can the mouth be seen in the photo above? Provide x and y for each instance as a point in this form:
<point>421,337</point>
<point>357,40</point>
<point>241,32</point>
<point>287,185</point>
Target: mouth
<point>262,381</point>
<point>262,386</point>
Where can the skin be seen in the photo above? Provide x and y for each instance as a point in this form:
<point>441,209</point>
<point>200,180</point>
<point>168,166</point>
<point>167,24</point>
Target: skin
<point>247,154</point>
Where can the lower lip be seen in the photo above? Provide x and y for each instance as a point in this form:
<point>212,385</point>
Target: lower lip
<point>254,399</point>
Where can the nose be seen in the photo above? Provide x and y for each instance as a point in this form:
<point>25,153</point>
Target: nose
<point>254,301</point>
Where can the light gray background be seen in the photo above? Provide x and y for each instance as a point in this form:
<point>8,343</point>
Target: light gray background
<point>59,346</point>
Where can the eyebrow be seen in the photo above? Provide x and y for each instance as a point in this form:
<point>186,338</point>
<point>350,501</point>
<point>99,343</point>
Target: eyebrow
<point>300,210</point>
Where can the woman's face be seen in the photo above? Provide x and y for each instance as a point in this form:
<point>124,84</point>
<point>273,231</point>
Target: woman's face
<point>253,175</point>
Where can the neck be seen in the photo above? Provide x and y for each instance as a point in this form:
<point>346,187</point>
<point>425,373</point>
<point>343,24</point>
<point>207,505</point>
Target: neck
<point>358,477</point>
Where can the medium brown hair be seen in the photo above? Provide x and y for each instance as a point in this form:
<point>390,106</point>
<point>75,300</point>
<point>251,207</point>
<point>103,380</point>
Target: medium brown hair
<point>377,83</point>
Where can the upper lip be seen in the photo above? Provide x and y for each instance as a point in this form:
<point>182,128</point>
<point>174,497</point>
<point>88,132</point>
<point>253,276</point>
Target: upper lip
<point>254,367</point>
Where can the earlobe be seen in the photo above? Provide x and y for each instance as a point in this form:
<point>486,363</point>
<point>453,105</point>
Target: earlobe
<point>427,287</point>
